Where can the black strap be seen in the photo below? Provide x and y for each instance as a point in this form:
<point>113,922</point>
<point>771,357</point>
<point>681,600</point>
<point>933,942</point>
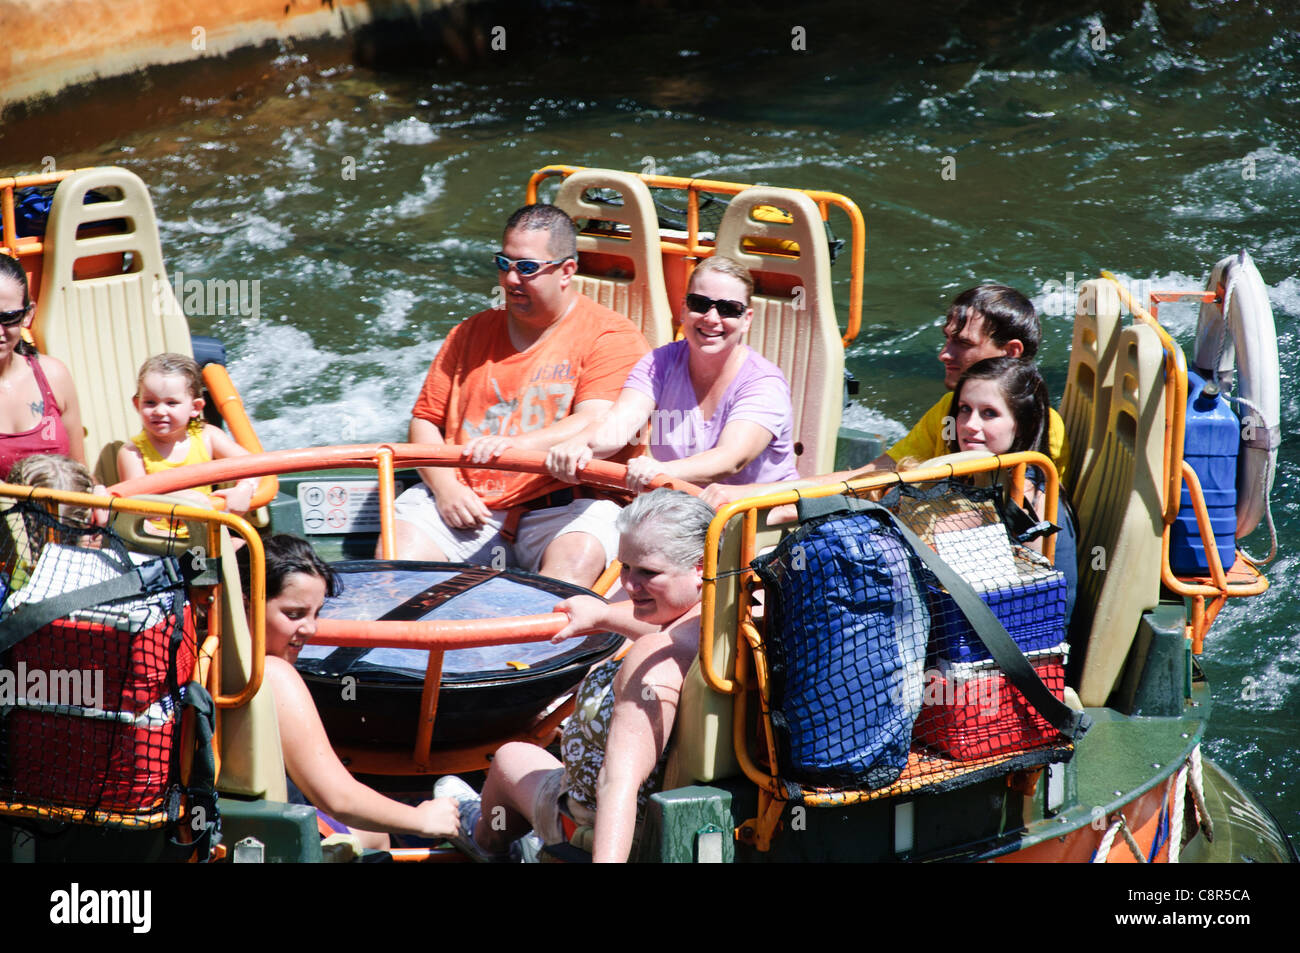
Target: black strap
<point>158,575</point>
<point>202,820</point>
<point>1072,724</point>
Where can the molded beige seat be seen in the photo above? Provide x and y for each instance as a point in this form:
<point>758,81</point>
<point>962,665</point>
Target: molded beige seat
<point>643,296</point>
<point>702,748</point>
<point>104,328</point>
<point>1121,513</point>
<point>1085,403</point>
<point>251,760</point>
<point>797,331</point>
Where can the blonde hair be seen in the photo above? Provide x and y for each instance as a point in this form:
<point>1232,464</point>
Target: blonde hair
<point>53,471</point>
<point>722,265</point>
<point>172,364</point>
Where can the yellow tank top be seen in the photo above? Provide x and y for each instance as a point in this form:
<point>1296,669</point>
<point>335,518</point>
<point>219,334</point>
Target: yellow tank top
<point>197,453</point>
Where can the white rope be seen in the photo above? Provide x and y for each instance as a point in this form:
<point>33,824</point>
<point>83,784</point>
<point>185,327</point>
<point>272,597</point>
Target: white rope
<point>1176,824</point>
<point>1103,849</point>
<point>1265,478</point>
<point>1118,826</point>
<point>1198,795</point>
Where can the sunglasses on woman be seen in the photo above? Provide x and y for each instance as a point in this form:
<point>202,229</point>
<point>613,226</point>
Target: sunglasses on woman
<point>10,318</point>
<point>527,267</point>
<point>726,307</point>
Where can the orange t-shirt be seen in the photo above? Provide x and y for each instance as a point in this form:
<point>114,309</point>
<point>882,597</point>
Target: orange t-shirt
<point>479,384</point>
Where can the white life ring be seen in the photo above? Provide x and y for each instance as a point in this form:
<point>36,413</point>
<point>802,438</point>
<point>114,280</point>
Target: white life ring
<point>1252,349</point>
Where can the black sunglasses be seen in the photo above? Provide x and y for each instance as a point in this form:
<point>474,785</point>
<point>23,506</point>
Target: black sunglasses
<point>10,318</point>
<point>525,266</point>
<point>726,307</point>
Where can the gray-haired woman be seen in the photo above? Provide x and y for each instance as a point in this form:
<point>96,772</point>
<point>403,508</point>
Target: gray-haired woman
<point>614,745</point>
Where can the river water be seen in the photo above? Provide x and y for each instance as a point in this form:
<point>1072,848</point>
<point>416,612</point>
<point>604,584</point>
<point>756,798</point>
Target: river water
<point>991,144</point>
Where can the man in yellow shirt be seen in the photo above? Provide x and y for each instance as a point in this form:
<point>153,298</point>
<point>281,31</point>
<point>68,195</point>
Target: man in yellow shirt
<point>985,321</point>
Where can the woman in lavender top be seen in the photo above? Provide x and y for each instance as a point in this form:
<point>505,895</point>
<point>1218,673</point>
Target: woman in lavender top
<point>711,409</point>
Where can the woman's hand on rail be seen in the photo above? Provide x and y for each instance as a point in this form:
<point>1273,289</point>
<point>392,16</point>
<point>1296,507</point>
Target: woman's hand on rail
<point>641,472</point>
<point>564,460</point>
<point>586,614</point>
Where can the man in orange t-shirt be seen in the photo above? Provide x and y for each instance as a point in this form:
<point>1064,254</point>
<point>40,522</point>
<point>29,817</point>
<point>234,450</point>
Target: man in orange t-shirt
<point>525,378</point>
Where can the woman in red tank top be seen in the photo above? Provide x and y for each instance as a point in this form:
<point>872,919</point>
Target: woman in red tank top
<point>38,401</point>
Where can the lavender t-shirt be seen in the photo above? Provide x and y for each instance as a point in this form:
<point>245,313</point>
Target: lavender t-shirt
<point>759,393</point>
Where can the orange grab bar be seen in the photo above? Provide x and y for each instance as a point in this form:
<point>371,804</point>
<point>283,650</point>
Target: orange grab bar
<point>231,407</point>
<point>694,248</point>
<point>599,473</point>
<point>445,635</point>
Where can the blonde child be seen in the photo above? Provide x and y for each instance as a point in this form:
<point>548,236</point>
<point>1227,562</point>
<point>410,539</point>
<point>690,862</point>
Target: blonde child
<point>170,403</point>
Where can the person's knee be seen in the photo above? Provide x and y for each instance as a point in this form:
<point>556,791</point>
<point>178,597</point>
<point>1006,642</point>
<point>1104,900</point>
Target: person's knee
<point>411,543</point>
<point>574,557</point>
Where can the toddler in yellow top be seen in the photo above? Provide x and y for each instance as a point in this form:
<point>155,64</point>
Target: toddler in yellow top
<point>170,402</point>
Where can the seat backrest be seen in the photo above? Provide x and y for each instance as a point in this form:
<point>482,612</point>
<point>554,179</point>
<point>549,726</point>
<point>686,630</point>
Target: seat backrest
<point>634,237</point>
<point>1085,403</point>
<point>1121,514</point>
<point>103,328</point>
<point>794,315</point>
<point>251,760</point>
<point>702,748</point>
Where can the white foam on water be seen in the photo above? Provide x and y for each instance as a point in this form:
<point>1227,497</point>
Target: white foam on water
<point>255,230</point>
<point>394,306</point>
<point>861,417</point>
<point>1285,297</point>
<point>434,180</point>
<point>410,132</point>
<point>335,130</point>
<point>301,394</point>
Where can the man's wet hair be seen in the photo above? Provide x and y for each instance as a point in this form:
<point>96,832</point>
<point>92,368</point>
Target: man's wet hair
<point>562,240</point>
<point>1007,316</point>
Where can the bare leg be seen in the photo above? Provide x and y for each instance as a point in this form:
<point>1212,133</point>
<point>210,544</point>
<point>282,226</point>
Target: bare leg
<point>578,558</point>
<point>509,793</point>
<point>413,544</point>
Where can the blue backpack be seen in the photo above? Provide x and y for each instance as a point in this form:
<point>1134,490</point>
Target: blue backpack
<point>847,630</point>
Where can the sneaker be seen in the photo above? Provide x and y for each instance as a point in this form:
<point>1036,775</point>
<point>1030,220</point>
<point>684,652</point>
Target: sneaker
<point>470,805</point>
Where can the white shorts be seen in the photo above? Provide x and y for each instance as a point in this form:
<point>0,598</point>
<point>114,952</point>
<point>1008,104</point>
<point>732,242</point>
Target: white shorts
<point>484,545</point>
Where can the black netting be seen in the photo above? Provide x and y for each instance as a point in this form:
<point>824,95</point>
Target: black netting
<point>876,679</point>
<point>90,702</point>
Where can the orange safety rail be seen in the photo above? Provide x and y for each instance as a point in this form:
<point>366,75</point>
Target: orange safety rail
<point>437,637</point>
<point>750,668</point>
<point>695,247</point>
<point>10,243</point>
<point>1175,401</point>
<point>232,411</point>
<point>1241,579</point>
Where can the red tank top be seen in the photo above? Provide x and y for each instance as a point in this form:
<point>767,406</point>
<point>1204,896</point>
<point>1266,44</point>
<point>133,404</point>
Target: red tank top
<point>48,436</point>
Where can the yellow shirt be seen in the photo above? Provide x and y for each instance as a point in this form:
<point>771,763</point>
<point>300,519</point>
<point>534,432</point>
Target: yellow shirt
<point>926,439</point>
